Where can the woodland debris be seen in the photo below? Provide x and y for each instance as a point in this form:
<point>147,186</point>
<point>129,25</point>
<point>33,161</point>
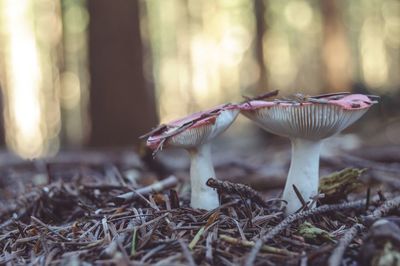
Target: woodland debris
<point>314,234</point>
<point>383,210</point>
<point>249,244</point>
<point>298,216</point>
<point>166,183</point>
<point>245,192</point>
<point>339,185</point>
<point>261,96</point>
<point>73,218</point>
<point>381,245</point>
<point>336,258</point>
<point>312,212</point>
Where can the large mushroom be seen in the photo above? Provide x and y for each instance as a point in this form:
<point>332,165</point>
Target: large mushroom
<point>194,134</point>
<point>306,121</point>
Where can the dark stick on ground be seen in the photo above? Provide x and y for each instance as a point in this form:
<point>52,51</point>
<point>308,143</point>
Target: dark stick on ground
<point>300,197</point>
<point>238,189</point>
<point>336,258</point>
<point>383,210</point>
<point>297,216</point>
<point>164,184</point>
<point>262,96</point>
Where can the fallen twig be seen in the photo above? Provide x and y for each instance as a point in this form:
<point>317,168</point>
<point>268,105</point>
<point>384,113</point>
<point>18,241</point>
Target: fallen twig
<point>336,258</point>
<point>186,253</point>
<point>298,216</point>
<point>235,188</point>
<point>300,197</point>
<point>305,214</point>
<point>262,96</point>
<point>39,222</point>
<point>383,210</point>
<point>266,248</point>
<point>166,183</point>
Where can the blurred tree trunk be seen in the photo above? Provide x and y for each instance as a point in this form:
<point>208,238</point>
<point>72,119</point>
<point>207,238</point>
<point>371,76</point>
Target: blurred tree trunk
<point>2,125</point>
<point>335,50</point>
<point>261,28</point>
<point>121,104</point>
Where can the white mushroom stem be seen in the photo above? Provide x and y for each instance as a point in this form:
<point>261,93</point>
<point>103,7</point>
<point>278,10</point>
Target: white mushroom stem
<point>303,173</point>
<point>201,169</point>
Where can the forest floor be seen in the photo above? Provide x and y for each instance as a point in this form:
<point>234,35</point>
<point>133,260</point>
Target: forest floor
<point>112,207</point>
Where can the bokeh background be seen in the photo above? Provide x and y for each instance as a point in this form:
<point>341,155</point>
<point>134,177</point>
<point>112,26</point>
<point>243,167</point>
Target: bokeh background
<point>99,73</point>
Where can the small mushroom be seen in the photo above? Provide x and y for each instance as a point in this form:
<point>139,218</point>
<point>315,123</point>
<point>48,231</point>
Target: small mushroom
<point>306,123</point>
<point>194,134</point>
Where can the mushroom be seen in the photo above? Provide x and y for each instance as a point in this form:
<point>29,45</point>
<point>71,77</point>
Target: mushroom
<point>306,121</point>
<point>194,134</point>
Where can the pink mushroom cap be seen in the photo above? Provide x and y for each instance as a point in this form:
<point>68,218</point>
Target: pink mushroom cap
<point>314,118</point>
<point>348,102</point>
<point>194,129</point>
